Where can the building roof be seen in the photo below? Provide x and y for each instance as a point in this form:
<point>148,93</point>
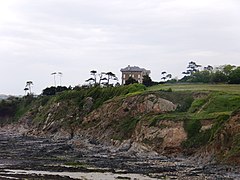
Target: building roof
<point>133,69</point>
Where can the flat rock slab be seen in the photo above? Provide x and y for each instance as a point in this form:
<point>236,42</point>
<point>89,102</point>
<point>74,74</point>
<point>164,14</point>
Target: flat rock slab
<point>23,157</point>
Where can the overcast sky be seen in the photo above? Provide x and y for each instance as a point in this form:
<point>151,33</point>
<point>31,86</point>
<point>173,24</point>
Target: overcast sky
<point>38,37</point>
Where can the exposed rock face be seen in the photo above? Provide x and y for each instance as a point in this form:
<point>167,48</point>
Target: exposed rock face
<point>226,144</point>
<point>132,106</point>
<point>52,121</point>
<point>149,103</point>
<point>87,106</point>
<point>120,122</point>
<point>166,137</point>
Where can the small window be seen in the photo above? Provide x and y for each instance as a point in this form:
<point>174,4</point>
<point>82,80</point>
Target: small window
<point>124,76</point>
<point>133,75</point>
<point>139,76</point>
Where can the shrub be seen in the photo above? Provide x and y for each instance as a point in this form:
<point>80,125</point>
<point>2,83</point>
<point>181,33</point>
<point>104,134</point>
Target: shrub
<point>166,90</point>
<point>197,138</point>
<point>185,105</point>
<point>192,127</point>
<point>49,91</point>
<point>197,104</point>
<point>124,128</point>
<point>218,124</point>
<point>7,108</point>
<point>234,76</point>
<point>136,87</point>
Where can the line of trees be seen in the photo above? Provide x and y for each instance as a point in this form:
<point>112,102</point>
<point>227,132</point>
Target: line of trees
<point>101,78</point>
<point>194,73</point>
<point>221,74</point>
<point>53,90</point>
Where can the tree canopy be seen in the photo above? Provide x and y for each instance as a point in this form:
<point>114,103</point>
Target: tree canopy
<point>130,80</point>
<point>221,74</point>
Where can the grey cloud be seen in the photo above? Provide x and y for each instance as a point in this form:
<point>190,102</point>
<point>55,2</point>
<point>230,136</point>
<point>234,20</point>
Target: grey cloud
<point>76,36</point>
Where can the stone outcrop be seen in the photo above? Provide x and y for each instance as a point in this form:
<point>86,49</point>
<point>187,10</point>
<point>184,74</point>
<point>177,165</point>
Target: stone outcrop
<point>166,137</point>
<point>123,122</point>
<point>131,106</point>
<point>120,122</point>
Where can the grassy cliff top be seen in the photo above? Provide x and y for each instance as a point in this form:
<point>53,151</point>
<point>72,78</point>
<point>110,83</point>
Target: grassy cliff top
<point>228,88</point>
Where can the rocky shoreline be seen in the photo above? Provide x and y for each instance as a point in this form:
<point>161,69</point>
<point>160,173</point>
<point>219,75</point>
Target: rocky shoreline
<point>44,158</point>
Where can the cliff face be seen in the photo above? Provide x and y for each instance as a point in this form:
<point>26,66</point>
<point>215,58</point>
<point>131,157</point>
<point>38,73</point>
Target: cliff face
<point>165,137</point>
<point>226,143</point>
<point>128,118</point>
<point>162,122</point>
<point>117,121</point>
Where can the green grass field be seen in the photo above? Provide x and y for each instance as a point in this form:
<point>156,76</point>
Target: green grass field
<point>228,88</point>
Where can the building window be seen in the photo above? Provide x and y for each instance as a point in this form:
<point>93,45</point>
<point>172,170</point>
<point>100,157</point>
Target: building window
<point>124,76</point>
<point>133,75</point>
<point>139,76</point>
